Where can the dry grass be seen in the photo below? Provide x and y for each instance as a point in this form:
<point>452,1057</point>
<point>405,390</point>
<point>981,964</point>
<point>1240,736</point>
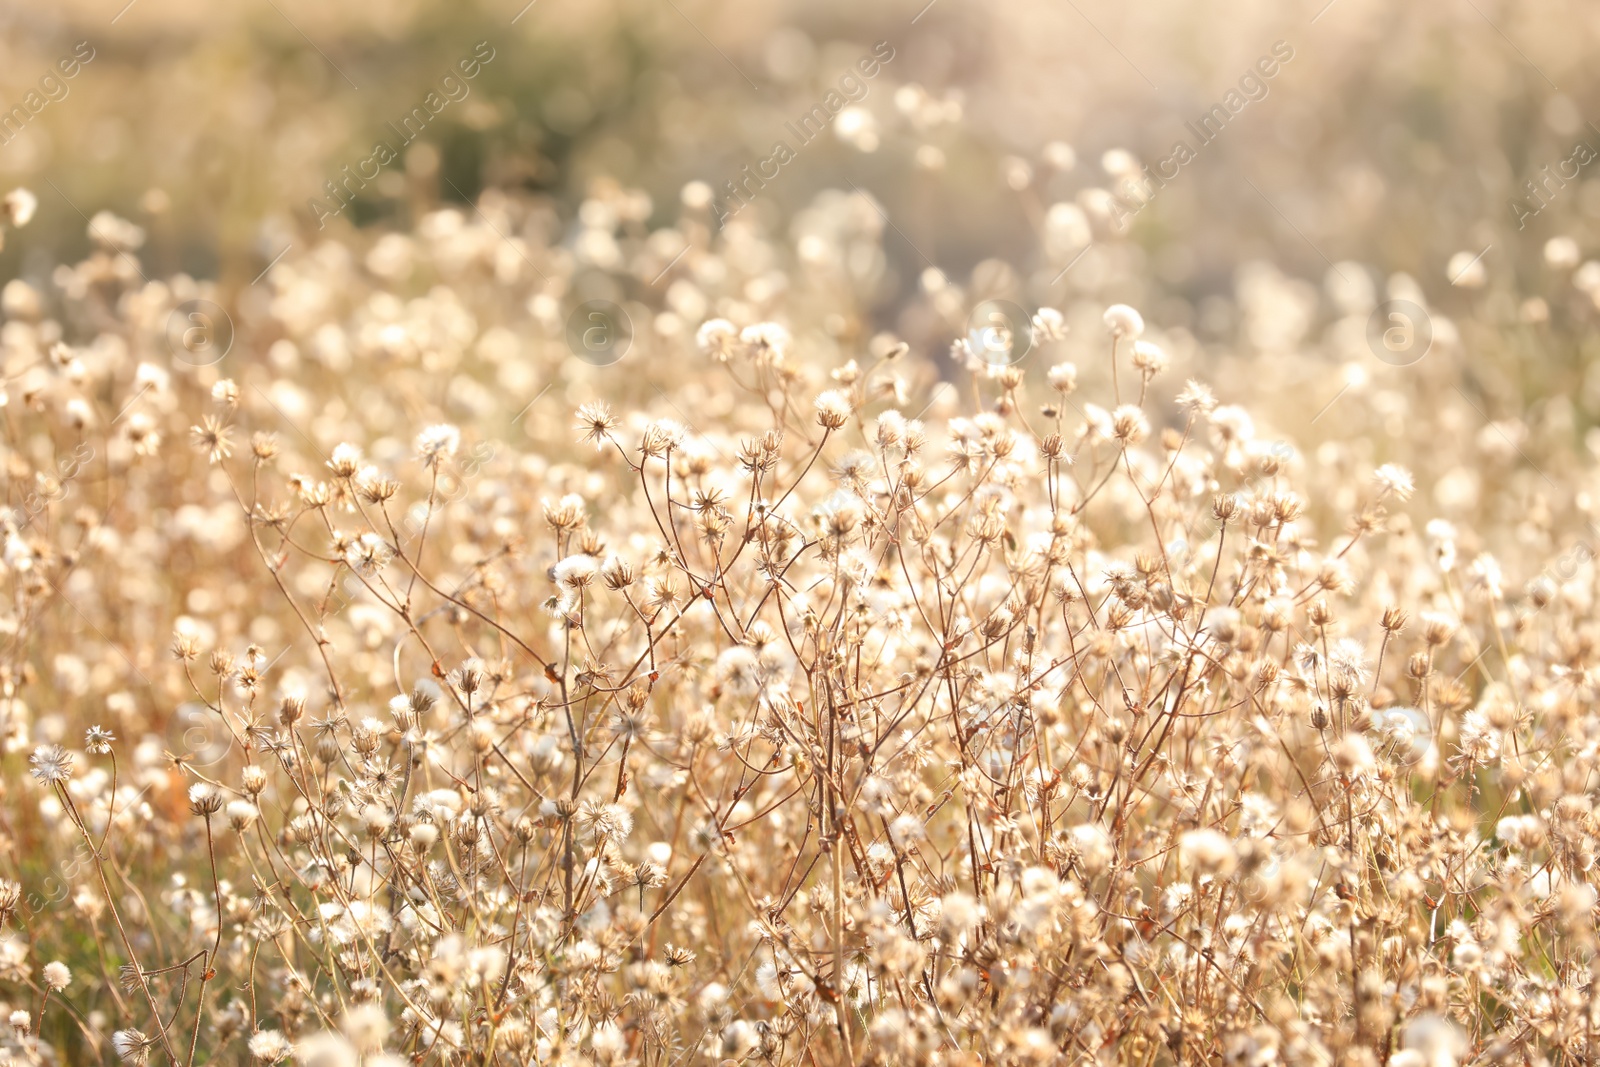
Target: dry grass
<point>714,708</point>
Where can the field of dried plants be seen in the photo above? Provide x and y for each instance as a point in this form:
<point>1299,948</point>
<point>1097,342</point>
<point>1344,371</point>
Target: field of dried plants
<point>621,625</point>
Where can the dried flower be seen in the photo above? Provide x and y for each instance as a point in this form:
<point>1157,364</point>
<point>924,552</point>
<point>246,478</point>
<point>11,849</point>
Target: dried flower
<point>51,764</point>
<point>19,206</point>
<point>436,444</point>
<point>833,409</point>
<point>211,437</point>
<point>596,423</point>
<point>1123,321</point>
<point>57,975</point>
<point>131,1046</point>
<point>97,741</point>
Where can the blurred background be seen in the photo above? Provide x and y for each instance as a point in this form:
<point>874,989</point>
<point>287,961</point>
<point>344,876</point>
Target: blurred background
<point>1002,145</point>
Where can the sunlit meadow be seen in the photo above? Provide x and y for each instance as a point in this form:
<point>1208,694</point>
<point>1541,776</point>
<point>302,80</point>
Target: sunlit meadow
<point>660,535</point>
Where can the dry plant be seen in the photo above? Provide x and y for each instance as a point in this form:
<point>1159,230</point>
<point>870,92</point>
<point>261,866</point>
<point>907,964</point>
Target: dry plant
<point>1091,725</point>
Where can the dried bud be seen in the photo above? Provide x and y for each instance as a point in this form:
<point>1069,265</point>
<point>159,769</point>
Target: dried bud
<point>1418,666</point>
<point>204,801</point>
<point>1437,630</point>
<point>291,711</point>
<point>617,573</point>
